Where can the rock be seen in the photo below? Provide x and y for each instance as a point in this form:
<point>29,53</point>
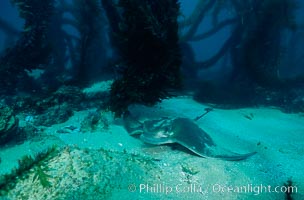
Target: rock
<point>98,90</point>
<point>54,115</point>
<point>8,124</point>
<point>95,120</point>
<point>64,95</point>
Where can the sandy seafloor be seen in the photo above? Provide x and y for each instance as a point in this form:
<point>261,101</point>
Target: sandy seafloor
<point>110,164</point>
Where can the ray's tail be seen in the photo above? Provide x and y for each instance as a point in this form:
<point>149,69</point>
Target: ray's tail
<point>235,156</point>
<point>225,154</point>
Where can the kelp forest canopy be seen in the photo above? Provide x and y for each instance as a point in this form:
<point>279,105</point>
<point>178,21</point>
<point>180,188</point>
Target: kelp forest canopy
<point>65,57</point>
<point>254,48</point>
<point>146,47</point>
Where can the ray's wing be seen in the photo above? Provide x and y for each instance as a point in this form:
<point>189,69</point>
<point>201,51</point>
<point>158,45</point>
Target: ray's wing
<point>191,136</point>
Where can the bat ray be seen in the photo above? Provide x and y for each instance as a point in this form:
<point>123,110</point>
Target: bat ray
<point>182,131</point>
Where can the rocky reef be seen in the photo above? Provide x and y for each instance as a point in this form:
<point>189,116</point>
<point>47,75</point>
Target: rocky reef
<point>8,124</point>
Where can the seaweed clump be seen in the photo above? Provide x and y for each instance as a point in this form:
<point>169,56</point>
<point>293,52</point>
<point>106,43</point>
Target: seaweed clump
<point>289,189</point>
<point>95,120</point>
<point>25,164</point>
<point>145,34</point>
